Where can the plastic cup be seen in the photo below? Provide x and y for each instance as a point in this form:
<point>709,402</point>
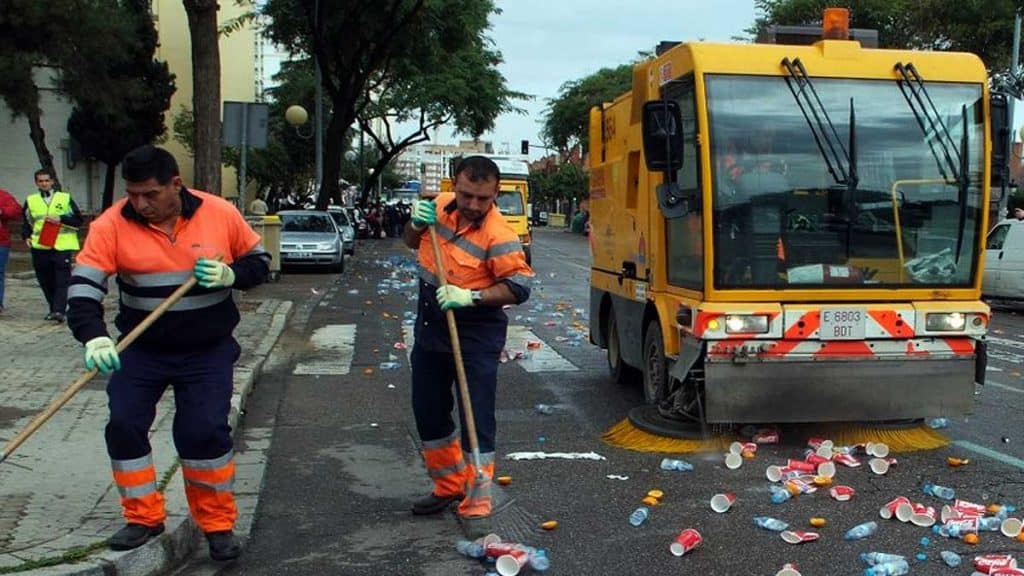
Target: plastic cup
<point>512,562</point>
<point>904,511</point>
<point>827,469</point>
<point>841,493</point>
<point>825,449</point>
<point>948,513</point>
<point>923,515</point>
<point>798,536</point>
<point>877,449</point>
<point>889,510</point>
<point>733,460</point>
<point>788,569</point>
<point>736,447</point>
<point>1011,527</point>
<point>878,465</point>
<point>686,540</point>
<point>721,503</point>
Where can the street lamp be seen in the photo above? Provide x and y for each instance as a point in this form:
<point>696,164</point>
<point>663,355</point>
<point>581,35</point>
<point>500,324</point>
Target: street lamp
<point>297,117</point>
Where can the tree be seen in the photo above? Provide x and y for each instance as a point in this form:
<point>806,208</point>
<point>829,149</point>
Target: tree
<point>203,32</point>
<point>358,47</point>
<point>982,27</point>
<point>567,182</point>
<point>129,112</point>
<point>567,117</point>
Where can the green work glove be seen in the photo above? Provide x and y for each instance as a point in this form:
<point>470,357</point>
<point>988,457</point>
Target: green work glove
<point>101,354</point>
<point>424,213</point>
<point>214,274</point>
<point>454,297</point>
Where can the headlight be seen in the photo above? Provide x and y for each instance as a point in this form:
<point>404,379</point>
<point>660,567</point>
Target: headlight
<point>325,245</point>
<point>746,324</point>
<point>348,234</point>
<point>945,322</point>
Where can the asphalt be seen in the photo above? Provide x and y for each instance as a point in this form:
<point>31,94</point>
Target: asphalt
<point>58,504</point>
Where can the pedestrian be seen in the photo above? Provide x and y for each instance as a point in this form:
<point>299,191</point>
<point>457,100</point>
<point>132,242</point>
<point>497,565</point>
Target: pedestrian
<point>485,268</point>
<point>258,207</point>
<point>10,211</point>
<point>46,209</point>
<point>152,242</point>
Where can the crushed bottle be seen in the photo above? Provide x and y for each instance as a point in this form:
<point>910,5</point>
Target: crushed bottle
<point>861,531</point>
<point>896,568</point>
<point>639,516</point>
<point>939,491</point>
<point>952,559</point>
<point>676,464</point>
<point>937,423</point>
<point>769,523</point>
<point>872,558</point>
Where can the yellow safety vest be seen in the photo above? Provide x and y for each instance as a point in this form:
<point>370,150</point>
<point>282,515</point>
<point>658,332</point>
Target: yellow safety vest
<point>39,210</point>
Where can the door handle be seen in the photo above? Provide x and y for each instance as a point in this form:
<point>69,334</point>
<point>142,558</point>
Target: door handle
<point>1000,254</point>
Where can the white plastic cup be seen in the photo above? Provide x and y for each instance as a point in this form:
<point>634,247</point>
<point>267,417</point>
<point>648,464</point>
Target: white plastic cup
<point>511,563</point>
<point>788,569</point>
<point>878,465</point>
<point>948,513</point>
<point>721,503</point>
<point>904,511</point>
<point>736,448</point>
<point>923,515</point>
<point>1011,527</point>
<point>827,469</point>
<point>877,449</point>
<point>889,510</point>
<point>825,449</point>
<point>733,460</point>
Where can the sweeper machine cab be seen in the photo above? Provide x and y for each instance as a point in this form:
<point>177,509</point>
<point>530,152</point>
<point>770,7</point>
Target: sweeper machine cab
<point>794,233</point>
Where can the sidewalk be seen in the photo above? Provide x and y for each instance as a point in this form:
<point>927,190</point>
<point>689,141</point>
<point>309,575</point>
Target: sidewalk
<point>58,503</point>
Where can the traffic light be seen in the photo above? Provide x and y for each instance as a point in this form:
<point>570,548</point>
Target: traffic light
<point>524,147</point>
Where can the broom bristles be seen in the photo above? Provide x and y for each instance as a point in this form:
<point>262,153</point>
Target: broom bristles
<point>625,435</point>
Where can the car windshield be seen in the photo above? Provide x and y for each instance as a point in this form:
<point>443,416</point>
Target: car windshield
<point>307,223</point>
<point>510,203</point>
<point>783,213</point>
<point>339,217</point>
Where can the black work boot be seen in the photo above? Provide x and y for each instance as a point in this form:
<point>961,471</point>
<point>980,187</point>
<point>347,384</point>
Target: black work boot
<point>223,545</point>
<point>134,535</point>
<point>432,504</point>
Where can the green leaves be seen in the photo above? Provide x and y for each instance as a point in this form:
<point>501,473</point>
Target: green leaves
<point>568,115</point>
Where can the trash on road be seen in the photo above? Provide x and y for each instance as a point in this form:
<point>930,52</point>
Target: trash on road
<point>554,455</point>
<point>789,569</point>
<point>504,480</point>
<point>769,523</point>
<point>861,531</point>
<point>842,493</point>
<point>798,536</point>
<point>549,525</point>
<point>638,516</point>
<point>957,462</point>
<point>818,522</point>
<point>686,541</point>
<point>676,464</point>
<point>722,502</point>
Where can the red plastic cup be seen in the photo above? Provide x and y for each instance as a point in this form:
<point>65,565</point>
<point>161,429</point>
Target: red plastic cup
<point>889,510</point>
<point>722,502</point>
<point>687,540</point>
<point>815,458</point>
<point>511,563</point>
<point>841,493</point>
<point>798,536</point>
<point>848,460</point>
<point>923,515</point>
<point>778,473</point>
<point>904,512</point>
<point>789,569</point>
<point>949,513</point>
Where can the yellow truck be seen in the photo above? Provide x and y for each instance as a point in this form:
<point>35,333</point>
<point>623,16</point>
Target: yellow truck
<point>794,233</point>
<point>513,195</point>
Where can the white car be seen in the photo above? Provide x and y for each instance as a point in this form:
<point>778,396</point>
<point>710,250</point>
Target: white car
<point>1004,261</point>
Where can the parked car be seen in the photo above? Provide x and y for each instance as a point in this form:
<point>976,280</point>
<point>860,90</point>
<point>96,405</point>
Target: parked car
<point>1004,261</point>
<point>348,232</point>
<point>311,238</point>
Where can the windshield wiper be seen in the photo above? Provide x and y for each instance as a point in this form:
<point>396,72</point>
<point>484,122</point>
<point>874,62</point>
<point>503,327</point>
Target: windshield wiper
<point>929,119</point>
<point>853,179</point>
<point>962,181</point>
<point>825,136</point>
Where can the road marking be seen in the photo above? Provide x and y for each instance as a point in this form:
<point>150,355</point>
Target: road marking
<point>993,454</point>
<point>989,382</point>
<point>1005,342</point>
<point>543,359</point>
<point>334,346</point>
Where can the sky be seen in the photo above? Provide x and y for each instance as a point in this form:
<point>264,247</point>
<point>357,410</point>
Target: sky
<point>545,43</point>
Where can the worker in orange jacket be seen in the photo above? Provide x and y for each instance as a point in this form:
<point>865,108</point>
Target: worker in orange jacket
<point>153,241</point>
<point>485,269</point>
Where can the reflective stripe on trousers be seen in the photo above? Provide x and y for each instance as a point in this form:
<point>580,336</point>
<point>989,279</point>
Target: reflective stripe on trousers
<point>478,500</point>
<point>445,466</point>
<point>208,487</point>
<point>136,482</point>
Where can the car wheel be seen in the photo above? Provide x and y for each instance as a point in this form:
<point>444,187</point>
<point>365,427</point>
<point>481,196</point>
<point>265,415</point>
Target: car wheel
<point>655,368</point>
<point>619,371</point>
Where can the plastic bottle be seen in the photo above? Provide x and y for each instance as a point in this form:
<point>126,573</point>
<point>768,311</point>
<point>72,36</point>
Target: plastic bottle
<point>896,568</point>
<point>768,523</point>
<point>780,495</point>
<point>936,423</point>
<point>676,464</point>
<point>470,549</point>
<point>861,531</point>
<point>873,558</point>
<point>990,523</point>
<point>639,515</point>
<point>543,409</point>
<point>389,365</point>
<point>939,491</point>
<point>952,559</point>
<point>539,561</point>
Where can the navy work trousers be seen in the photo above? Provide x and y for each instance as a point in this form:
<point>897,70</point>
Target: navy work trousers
<point>434,394</point>
<point>53,272</point>
<point>202,382</point>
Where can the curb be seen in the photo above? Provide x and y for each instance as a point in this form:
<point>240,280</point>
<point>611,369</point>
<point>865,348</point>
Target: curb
<point>166,551</point>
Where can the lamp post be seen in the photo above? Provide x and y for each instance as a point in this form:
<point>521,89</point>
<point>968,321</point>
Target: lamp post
<point>297,117</point>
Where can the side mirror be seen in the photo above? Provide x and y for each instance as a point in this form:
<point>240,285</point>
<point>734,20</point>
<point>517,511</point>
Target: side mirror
<point>999,114</point>
<point>662,127</point>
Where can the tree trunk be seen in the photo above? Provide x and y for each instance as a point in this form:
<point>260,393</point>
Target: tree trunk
<point>330,191</point>
<point>38,136</point>
<point>108,186</point>
<point>202,25</point>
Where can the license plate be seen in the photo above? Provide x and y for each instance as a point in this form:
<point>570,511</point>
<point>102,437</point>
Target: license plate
<point>302,254</point>
<point>842,324</point>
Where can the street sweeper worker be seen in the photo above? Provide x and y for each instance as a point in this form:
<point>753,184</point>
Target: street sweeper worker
<point>485,269</point>
<point>153,241</point>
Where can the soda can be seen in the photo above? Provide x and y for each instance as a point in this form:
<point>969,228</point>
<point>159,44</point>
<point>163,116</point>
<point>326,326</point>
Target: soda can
<point>798,536</point>
<point>1006,572</point>
<point>848,460</point>
<point>511,563</point>
<point>841,493</point>
<point>766,436</point>
<point>965,525</point>
<point>969,508</point>
<point>814,458</point>
<point>889,510</point>
<point>988,562</point>
<point>801,466</point>
<point>721,503</point>
<point>686,540</point>
<point>1011,527</point>
<point>733,460</point>
<point>789,569</point>
<point>923,515</point>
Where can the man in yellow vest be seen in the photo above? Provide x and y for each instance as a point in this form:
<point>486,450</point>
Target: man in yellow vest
<point>45,212</point>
